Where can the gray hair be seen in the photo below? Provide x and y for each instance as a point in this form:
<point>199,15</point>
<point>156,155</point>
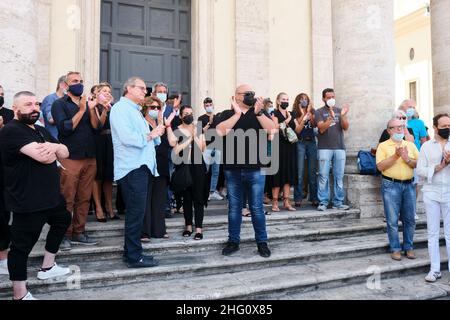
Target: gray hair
<point>21,94</point>
<point>160,84</point>
<point>130,83</point>
<point>61,80</point>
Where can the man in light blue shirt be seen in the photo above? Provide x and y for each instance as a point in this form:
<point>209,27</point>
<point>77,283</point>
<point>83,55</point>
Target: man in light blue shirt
<point>134,165</point>
<point>46,107</point>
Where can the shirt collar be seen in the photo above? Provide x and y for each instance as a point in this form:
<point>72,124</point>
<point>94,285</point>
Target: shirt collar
<point>131,103</point>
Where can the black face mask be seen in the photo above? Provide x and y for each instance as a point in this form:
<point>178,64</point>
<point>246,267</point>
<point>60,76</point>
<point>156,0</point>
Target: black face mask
<point>284,105</point>
<point>444,133</point>
<point>2,101</point>
<point>188,119</point>
<point>28,118</point>
<point>249,99</point>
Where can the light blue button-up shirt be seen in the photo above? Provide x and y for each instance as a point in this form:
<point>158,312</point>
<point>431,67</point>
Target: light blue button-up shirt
<point>129,132</point>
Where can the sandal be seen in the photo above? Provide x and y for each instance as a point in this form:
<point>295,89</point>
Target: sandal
<point>198,236</point>
<point>288,206</point>
<point>246,213</point>
<point>187,233</point>
<point>275,207</point>
<point>298,204</point>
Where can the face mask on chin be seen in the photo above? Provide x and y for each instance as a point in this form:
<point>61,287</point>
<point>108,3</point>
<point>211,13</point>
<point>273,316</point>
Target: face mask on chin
<point>398,137</point>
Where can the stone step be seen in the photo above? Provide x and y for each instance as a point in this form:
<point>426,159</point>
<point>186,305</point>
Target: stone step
<point>208,262</point>
<point>220,220</point>
<point>399,288</point>
<point>247,283</point>
<point>280,231</point>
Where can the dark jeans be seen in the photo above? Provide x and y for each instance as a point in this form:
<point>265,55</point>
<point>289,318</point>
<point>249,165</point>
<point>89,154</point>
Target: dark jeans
<point>253,181</point>
<point>25,231</point>
<point>155,216</point>
<point>5,237</point>
<point>199,209</point>
<point>135,188</point>
<point>308,148</point>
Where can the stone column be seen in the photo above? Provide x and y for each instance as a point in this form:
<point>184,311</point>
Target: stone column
<point>322,43</point>
<point>252,44</point>
<point>440,41</point>
<point>202,53</point>
<point>364,74</point>
<point>18,46</point>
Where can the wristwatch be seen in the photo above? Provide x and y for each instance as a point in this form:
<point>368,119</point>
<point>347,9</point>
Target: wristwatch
<point>260,113</point>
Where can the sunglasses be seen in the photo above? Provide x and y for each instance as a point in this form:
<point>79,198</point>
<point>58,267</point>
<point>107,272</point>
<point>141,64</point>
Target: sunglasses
<point>154,107</point>
<point>401,118</point>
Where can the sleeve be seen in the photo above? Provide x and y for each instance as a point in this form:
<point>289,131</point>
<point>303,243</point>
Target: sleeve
<point>128,134</point>
<point>319,116</point>
<point>225,116</point>
<point>423,131</point>
<point>12,140</point>
<point>47,136</point>
<point>63,122</point>
<point>47,108</point>
<point>424,169</point>
<point>381,154</point>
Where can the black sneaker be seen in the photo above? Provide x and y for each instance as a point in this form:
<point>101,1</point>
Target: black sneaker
<point>231,248</point>
<point>83,239</point>
<point>143,263</point>
<point>263,250</point>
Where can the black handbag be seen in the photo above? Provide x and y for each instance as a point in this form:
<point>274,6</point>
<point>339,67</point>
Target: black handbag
<point>181,179</point>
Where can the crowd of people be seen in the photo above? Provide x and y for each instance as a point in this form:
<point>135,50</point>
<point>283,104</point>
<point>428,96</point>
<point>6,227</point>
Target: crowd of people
<point>64,154</point>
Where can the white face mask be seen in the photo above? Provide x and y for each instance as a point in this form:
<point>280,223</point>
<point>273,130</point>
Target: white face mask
<point>153,114</point>
<point>162,97</point>
<point>209,109</point>
<point>331,103</point>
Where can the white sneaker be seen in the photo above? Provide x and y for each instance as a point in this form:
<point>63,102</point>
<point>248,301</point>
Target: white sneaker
<point>55,271</point>
<point>4,267</point>
<point>215,196</point>
<point>29,296</point>
<point>341,207</point>
<point>322,208</point>
<point>433,276</point>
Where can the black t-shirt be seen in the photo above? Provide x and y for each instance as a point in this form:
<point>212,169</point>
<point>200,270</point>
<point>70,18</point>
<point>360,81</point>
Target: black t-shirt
<point>244,149</point>
<point>30,186</point>
<point>385,135</point>
<point>204,119</point>
<point>7,115</point>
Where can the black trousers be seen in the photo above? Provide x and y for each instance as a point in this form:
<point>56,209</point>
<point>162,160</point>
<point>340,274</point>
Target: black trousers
<point>25,231</point>
<point>5,237</point>
<point>199,209</point>
<point>155,215</point>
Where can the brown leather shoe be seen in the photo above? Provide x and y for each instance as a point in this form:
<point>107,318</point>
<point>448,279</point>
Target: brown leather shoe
<point>396,256</point>
<point>410,254</point>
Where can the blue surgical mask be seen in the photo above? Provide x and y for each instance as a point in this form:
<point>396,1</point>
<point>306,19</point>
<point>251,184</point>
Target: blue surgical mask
<point>410,113</point>
<point>209,109</point>
<point>153,114</point>
<point>162,97</point>
<point>271,110</point>
<point>304,103</point>
<point>398,136</point>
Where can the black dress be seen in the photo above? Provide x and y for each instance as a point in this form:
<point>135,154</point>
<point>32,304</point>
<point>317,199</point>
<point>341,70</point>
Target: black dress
<point>104,153</point>
<point>287,157</point>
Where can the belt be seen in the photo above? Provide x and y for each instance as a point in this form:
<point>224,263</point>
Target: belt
<point>106,131</point>
<point>399,181</point>
<point>306,139</point>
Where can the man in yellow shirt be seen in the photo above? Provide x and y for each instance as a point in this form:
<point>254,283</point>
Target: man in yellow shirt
<point>396,159</point>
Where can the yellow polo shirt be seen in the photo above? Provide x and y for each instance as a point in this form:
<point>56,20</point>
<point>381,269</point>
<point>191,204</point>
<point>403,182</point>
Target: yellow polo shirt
<point>400,170</point>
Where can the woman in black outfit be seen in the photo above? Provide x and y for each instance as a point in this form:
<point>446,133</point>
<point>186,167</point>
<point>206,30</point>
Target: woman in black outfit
<point>197,195</point>
<point>104,155</point>
<point>154,221</point>
<point>287,156</point>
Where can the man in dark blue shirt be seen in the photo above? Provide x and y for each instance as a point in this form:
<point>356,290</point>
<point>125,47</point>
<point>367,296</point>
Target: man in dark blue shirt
<point>77,121</point>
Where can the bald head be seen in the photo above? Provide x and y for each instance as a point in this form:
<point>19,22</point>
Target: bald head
<point>243,88</point>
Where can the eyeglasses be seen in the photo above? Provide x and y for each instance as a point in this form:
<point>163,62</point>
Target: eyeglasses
<point>397,127</point>
<point>142,88</point>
